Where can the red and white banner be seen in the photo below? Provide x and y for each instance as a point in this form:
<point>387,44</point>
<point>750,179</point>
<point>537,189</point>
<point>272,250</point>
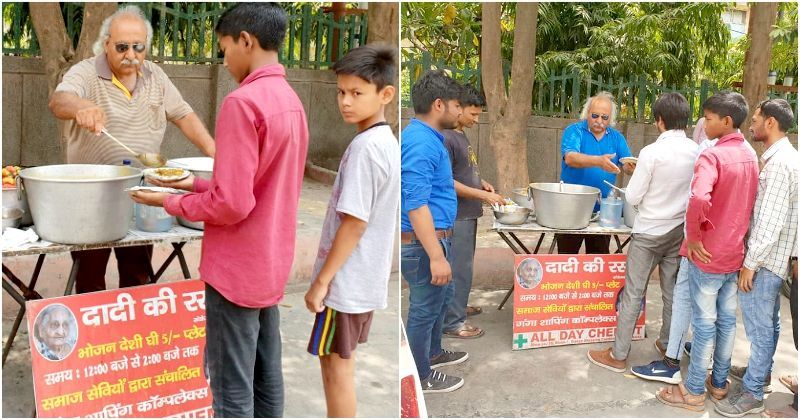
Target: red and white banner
<point>134,352</point>
<point>568,299</point>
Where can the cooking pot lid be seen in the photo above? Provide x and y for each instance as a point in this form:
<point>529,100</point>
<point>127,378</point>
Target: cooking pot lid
<point>193,163</point>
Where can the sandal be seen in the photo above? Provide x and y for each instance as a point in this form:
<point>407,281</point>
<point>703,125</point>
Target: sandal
<point>466,331</point>
<point>790,381</point>
<point>679,396</point>
<point>474,310</point>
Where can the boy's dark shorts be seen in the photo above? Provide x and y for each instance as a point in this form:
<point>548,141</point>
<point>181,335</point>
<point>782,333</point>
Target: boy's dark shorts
<point>338,332</point>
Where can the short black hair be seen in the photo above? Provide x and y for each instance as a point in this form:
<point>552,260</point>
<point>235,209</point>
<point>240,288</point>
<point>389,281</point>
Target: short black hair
<point>433,85</point>
<point>728,104</point>
<point>265,21</point>
<point>780,110</point>
<point>471,97</point>
<point>375,63</point>
<point>673,109</point>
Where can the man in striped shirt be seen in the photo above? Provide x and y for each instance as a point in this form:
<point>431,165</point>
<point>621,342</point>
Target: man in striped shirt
<point>133,98</point>
<point>771,243</point>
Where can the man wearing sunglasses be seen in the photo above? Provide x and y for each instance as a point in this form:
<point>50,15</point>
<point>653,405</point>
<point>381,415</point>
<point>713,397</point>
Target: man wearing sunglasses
<point>591,149</point>
<point>132,98</point>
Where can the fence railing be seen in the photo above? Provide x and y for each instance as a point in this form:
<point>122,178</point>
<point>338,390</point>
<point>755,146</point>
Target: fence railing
<point>183,32</point>
<point>562,95</point>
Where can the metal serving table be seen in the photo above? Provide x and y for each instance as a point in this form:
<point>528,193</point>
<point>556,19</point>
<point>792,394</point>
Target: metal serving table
<point>177,236</point>
<point>509,235</point>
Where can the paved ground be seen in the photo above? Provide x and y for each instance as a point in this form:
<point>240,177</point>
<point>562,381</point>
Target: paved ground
<point>560,381</point>
<point>376,379</point>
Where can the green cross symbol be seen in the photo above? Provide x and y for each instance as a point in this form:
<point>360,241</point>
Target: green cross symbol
<point>520,341</point>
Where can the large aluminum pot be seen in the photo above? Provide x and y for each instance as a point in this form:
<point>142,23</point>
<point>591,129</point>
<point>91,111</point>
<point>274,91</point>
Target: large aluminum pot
<point>563,206</point>
<point>80,204</point>
<point>628,212</point>
<point>201,167</point>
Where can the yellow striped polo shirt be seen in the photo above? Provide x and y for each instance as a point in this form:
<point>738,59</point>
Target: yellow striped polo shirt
<point>138,120</point>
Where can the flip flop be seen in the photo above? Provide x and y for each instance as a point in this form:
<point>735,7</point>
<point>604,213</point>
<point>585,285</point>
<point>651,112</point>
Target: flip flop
<point>790,381</point>
<point>467,332</point>
<point>474,310</point>
<point>676,396</point>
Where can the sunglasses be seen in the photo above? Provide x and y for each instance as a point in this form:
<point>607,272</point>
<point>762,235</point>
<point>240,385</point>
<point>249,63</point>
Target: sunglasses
<point>122,47</point>
<point>596,116</point>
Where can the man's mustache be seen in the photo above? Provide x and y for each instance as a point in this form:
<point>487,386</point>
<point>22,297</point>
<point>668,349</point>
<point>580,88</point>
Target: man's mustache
<point>127,62</point>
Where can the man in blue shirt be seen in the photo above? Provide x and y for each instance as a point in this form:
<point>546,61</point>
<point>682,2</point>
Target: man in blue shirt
<point>590,151</point>
<point>428,213</point>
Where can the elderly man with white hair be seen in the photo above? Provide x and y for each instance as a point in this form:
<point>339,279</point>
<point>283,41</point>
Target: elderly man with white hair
<point>133,98</point>
<point>590,150</point>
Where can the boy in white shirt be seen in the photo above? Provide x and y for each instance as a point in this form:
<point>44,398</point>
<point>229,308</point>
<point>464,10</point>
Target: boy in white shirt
<point>659,186</point>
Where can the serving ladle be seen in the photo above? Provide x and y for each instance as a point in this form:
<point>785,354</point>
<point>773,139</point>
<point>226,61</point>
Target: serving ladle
<point>152,160</point>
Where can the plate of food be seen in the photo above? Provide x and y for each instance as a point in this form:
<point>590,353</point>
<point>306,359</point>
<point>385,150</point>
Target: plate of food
<point>631,160</point>
<point>166,174</point>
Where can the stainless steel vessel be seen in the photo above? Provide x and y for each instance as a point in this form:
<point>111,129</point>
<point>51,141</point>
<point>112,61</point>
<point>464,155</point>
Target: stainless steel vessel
<point>80,204</point>
<point>629,212</point>
<point>201,167</point>
<point>521,197</point>
<point>563,206</point>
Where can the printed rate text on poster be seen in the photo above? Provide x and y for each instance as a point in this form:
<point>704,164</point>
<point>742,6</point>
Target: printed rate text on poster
<point>568,299</point>
<point>134,352</point>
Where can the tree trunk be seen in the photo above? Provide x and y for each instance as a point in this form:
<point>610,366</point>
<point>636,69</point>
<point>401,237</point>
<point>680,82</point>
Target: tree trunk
<point>56,48</point>
<point>757,59</point>
<point>93,16</point>
<point>508,113</point>
<point>384,23</point>
<point>54,42</point>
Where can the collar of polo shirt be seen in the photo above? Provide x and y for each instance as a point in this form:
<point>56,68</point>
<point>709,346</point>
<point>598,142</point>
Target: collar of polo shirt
<point>104,71</point>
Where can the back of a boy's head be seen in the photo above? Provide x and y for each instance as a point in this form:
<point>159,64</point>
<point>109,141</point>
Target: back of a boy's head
<point>673,109</point>
<point>375,63</point>
<point>728,104</point>
<point>433,85</point>
<point>780,110</point>
<point>471,97</point>
<point>265,21</point>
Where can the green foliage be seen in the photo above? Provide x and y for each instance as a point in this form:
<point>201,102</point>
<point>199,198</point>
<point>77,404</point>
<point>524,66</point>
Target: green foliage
<point>668,42</point>
<point>784,41</point>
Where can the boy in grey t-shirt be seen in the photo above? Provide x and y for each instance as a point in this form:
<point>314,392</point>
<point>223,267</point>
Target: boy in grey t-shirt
<point>354,262</point>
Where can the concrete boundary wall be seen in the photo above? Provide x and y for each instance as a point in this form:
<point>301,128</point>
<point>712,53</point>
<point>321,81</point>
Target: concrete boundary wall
<point>544,144</point>
<point>30,131</point>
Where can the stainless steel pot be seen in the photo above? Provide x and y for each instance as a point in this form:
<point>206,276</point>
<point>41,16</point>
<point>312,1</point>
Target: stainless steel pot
<point>516,217</point>
<point>80,204</point>
<point>18,199</point>
<point>563,206</point>
<point>201,167</point>
<point>629,212</point>
<point>521,197</point>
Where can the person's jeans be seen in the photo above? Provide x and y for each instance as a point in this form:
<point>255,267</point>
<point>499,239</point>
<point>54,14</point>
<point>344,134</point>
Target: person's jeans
<point>714,324</point>
<point>463,250</point>
<point>644,253</point>
<point>761,312</point>
<point>243,357</point>
<point>681,312</point>
<point>427,304</point>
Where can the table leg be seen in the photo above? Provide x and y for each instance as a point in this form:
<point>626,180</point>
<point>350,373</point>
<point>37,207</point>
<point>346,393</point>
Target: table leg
<point>28,293</point>
<point>184,267</point>
<point>509,243</point>
<point>539,244</point>
<point>521,245</point>
<point>552,244</point>
<point>73,274</point>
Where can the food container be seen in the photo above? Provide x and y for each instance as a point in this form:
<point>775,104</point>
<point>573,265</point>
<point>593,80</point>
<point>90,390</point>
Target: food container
<point>152,219</point>
<point>611,212</point>
<point>12,217</point>
<point>563,206</point>
<point>629,212</point>
<point>80,204</point>
<point>521,197</point>
<point>517,216</point>
<point>17,198</point>
<point>201,167</point>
